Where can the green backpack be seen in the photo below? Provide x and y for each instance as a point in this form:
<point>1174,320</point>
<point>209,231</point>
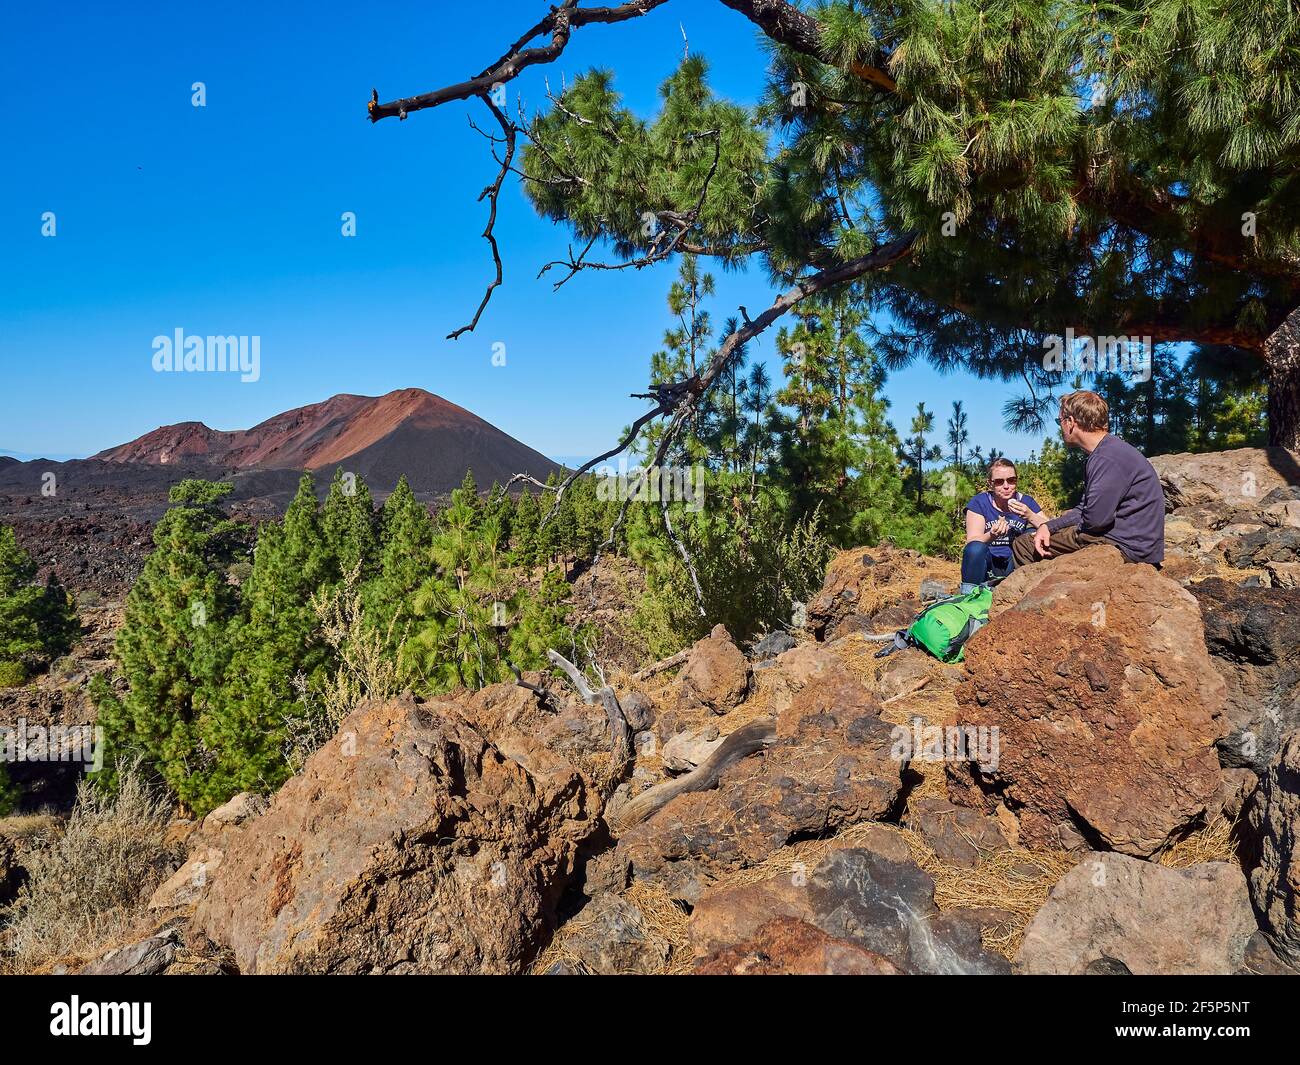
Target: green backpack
<point>944,626</point>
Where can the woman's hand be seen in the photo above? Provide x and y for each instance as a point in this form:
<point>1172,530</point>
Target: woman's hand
<point>1021,510</point>
<point>999,528</point>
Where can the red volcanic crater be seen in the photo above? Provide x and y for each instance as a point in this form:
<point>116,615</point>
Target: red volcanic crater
<point>379,438</point>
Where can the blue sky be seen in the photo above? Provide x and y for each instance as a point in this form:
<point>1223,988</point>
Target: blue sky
<point>225,219</point>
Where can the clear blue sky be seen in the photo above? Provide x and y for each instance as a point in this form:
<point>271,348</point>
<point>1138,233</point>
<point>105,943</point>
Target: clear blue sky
<point>225,219</point>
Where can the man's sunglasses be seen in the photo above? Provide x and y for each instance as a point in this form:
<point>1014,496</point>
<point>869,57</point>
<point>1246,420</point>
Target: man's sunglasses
<point>1004,480</point>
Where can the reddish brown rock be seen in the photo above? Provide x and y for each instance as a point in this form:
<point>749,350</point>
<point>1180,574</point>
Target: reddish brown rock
<point>1272,831</point>
<point>787,946</point>
<point>716,675</point>
<point>870,590</point>
<point>875,897</point>
<point>408,844</point>
<point>957,835</point>
<point>1106,702</point>
<point>832,764</point>
<point>732,915</point>
<point>1227,479</point>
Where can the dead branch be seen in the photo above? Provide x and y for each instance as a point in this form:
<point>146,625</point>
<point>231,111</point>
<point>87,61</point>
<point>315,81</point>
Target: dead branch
<point>779,20</point>
<point>619,730</point>
<point>559,25</point>
<point>493,195</point>
<point>910,691</point>
<point>543,696</point>
<point>574,674</point>
<point>749,739</point>
<point>661,666</point>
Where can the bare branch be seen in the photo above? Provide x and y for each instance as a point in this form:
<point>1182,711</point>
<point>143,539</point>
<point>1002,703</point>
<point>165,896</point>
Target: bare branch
<point>746,740</point>
<point>574,674</point>
<point>662,665</point>
<point>493,195</point>
<point>563,19</point>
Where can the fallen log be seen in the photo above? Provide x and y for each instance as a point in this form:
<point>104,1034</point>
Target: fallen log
<point>659,667</point>
<point>746,740</point>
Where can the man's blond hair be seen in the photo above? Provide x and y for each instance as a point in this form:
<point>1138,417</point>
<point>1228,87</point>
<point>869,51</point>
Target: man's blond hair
<point>1088,410</point>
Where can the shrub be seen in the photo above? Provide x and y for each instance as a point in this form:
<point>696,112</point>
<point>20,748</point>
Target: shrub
<point>86,885</point>
<point>365,670</point>
<point>12,674</point>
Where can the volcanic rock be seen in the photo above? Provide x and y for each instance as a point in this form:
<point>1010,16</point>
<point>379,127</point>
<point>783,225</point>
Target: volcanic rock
<point>408,843</point>
<point>1106,702</point>
<point>1226,479</point>
<point>1254,636</point>
<point>1273,841</point>
<point>787,946</point>
<point>716,675</point>
<point>1113,910</point>
<point>832,764</point>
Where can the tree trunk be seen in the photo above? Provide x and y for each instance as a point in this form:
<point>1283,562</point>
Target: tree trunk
<point>1282,360</point>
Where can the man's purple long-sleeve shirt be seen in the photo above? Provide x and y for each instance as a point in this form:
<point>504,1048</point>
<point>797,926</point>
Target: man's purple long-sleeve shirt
<point>1122,501</point>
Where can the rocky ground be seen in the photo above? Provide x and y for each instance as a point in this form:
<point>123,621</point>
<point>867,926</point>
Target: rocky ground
<point>1110,783</point>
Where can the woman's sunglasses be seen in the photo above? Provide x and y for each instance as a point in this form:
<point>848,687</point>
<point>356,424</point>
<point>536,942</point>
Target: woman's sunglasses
<point>1004,480</point>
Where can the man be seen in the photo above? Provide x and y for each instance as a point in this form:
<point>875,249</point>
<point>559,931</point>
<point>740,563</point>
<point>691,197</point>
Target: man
<point>1123,503</point>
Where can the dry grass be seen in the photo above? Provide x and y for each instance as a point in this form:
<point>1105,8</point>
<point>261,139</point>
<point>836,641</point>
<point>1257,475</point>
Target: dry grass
<point>662,917</point>
<point>1215,842</point>
<point>366,670</point>
<point>905,576</point>
<point>88,882</point>
<point>1016,881</point>
<point>23,827</point>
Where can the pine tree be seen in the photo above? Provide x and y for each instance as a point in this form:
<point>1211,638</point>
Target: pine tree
<point>349,526</point>
<point>1030,167</point>
<point>405,563</point>
<point>524,540</point>
<point>686,349</point>
<point>20,602</point>
<point>917,452</point>
<point>276,644</point>
<point>452,639</point>
<point>36,623</point>
<point>173,649</point>
<point>958,436</point>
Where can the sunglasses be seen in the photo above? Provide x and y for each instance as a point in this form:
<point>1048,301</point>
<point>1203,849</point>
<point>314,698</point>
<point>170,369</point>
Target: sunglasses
<point>1004,480</point>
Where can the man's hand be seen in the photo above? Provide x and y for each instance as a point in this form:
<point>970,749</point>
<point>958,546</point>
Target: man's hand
<point>1043,541</point>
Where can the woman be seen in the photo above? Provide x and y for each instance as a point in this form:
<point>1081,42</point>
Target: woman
<point>993,519</point>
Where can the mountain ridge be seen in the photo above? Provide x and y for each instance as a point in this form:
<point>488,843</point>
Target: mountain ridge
<point>409,431</point>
